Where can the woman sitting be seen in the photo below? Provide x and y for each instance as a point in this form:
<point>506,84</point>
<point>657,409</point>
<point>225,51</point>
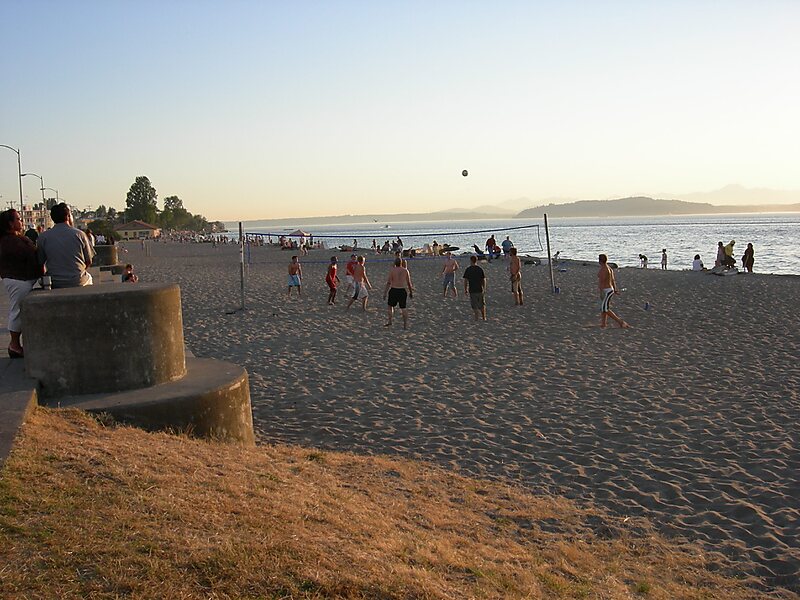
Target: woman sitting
<point>19,270</point>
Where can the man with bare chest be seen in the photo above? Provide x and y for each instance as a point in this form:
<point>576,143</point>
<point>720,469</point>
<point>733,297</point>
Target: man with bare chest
<point>398,289</point>
<point>608,287</point>
<point>295,276</point>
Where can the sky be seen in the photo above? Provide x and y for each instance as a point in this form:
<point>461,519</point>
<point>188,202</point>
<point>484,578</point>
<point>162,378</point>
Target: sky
<point>270,109</point>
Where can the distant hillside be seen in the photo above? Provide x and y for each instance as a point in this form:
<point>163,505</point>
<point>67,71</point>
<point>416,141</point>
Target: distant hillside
<point>451,215</point>
<point>644,206</point>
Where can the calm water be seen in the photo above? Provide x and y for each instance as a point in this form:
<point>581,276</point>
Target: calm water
<point>775,237</point>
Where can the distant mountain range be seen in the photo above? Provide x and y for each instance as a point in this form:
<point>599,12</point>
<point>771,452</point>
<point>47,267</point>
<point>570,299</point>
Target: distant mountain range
<point>643,206</point>
<point>733,198</point>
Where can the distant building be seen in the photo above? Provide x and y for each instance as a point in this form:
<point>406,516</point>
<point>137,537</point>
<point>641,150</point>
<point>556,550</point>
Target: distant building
<point>36,215</point>
<point>137,230</point>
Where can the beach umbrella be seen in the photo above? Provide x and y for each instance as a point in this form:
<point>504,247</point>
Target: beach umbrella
<point>300,233</point>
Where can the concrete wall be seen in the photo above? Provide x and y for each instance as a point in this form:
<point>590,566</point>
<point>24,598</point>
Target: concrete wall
<point>103,338</point>
<point>106,255</point>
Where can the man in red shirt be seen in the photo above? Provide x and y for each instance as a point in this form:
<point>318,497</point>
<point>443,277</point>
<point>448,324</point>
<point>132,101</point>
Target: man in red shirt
<point>331,278</point>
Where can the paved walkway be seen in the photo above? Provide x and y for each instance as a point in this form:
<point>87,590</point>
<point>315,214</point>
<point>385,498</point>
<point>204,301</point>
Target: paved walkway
<point>17,391</point>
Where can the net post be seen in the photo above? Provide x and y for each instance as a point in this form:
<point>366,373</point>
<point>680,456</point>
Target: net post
<point>241,264</point>
<point>549,258</point>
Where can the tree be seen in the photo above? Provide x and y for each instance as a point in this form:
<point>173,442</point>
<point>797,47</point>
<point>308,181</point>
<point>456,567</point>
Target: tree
<point>141,201</point>
<point>101,211</point>
<point>103,227</point>
<point>173,203</point>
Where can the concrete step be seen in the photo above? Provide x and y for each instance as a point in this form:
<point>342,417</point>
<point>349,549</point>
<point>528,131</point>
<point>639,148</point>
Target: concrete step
<point>211,401</point>
<point>17,400</point>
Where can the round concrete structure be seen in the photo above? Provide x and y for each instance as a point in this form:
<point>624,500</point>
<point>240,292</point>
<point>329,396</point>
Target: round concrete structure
<point>212,401</point>
<point>103,338</point>
<point>105,256</point>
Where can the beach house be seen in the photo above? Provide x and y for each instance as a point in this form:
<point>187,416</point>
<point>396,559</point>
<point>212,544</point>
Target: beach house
<point>137,230</point>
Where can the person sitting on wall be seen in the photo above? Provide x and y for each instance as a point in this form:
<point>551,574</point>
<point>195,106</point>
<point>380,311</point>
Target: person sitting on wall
<point>65,251</point>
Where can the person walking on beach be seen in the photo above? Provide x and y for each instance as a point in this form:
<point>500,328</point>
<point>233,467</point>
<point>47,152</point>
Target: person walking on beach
<point>642,261</point>
<point>747,259</point>
<point>398,289</point>
<point>348,273</point>
<point>475,287</point>
<point>360,284</point>
<point>295,276</point>
<point>664,259</point>
<point>608,287</point>
<point>331,278</point>
<point>515,269</point>
<point>449,275</point>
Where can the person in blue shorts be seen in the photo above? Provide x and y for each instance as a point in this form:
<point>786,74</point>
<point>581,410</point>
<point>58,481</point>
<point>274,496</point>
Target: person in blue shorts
<point>295,277</point>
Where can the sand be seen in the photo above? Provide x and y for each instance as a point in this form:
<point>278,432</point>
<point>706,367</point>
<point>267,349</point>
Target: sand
<point>689,418</point>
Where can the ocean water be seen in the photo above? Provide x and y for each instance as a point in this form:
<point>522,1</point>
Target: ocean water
<point>775,237</point>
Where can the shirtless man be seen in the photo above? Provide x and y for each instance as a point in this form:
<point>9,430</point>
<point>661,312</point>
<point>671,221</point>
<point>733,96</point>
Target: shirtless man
<point>361,284</point>
<point>449,275</point>
<point>515,268</point>
<point>398,289</point>
<point>295,276</point>
<point>348,273</point>
<point>608,287</point>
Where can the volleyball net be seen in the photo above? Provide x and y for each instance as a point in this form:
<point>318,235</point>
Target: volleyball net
<point>416,243</point>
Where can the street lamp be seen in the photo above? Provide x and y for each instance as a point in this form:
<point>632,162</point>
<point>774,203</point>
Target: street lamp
<point>40,180</point>
<point>52,190</point>
<point>19,172</point>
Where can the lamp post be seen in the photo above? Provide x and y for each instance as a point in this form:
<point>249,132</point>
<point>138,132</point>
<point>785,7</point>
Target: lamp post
<point>40,181</point>
<point>53,190</point>
<point>19,172</point>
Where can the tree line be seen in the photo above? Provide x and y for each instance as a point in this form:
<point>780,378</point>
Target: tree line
<point>141,204</point>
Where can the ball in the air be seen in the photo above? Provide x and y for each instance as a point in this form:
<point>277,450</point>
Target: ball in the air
<point>465,172</point>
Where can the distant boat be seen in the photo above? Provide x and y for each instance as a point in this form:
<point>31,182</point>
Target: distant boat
<point>387,227</point>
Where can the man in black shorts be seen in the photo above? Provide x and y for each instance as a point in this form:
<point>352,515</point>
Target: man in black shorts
<point>398,288</point>
<point>475,286</point>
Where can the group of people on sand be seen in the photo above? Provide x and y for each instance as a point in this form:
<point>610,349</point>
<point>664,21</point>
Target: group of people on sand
<point>399,288</point>
<point>725,258</point>
<point>56,258</point>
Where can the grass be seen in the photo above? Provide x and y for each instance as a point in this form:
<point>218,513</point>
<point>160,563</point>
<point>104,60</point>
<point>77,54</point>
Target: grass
<point>89,510</point>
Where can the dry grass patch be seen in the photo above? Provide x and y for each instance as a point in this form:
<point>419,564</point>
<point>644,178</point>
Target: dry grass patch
<point>88,511</point>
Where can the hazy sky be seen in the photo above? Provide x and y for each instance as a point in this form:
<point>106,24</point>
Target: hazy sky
<point>271,109</point>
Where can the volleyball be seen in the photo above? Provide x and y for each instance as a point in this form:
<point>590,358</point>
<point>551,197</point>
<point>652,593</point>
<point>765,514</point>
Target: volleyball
<point>465,172</point>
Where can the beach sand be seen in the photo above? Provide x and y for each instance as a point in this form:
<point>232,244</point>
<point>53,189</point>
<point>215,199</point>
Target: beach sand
<point>690,418</point>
